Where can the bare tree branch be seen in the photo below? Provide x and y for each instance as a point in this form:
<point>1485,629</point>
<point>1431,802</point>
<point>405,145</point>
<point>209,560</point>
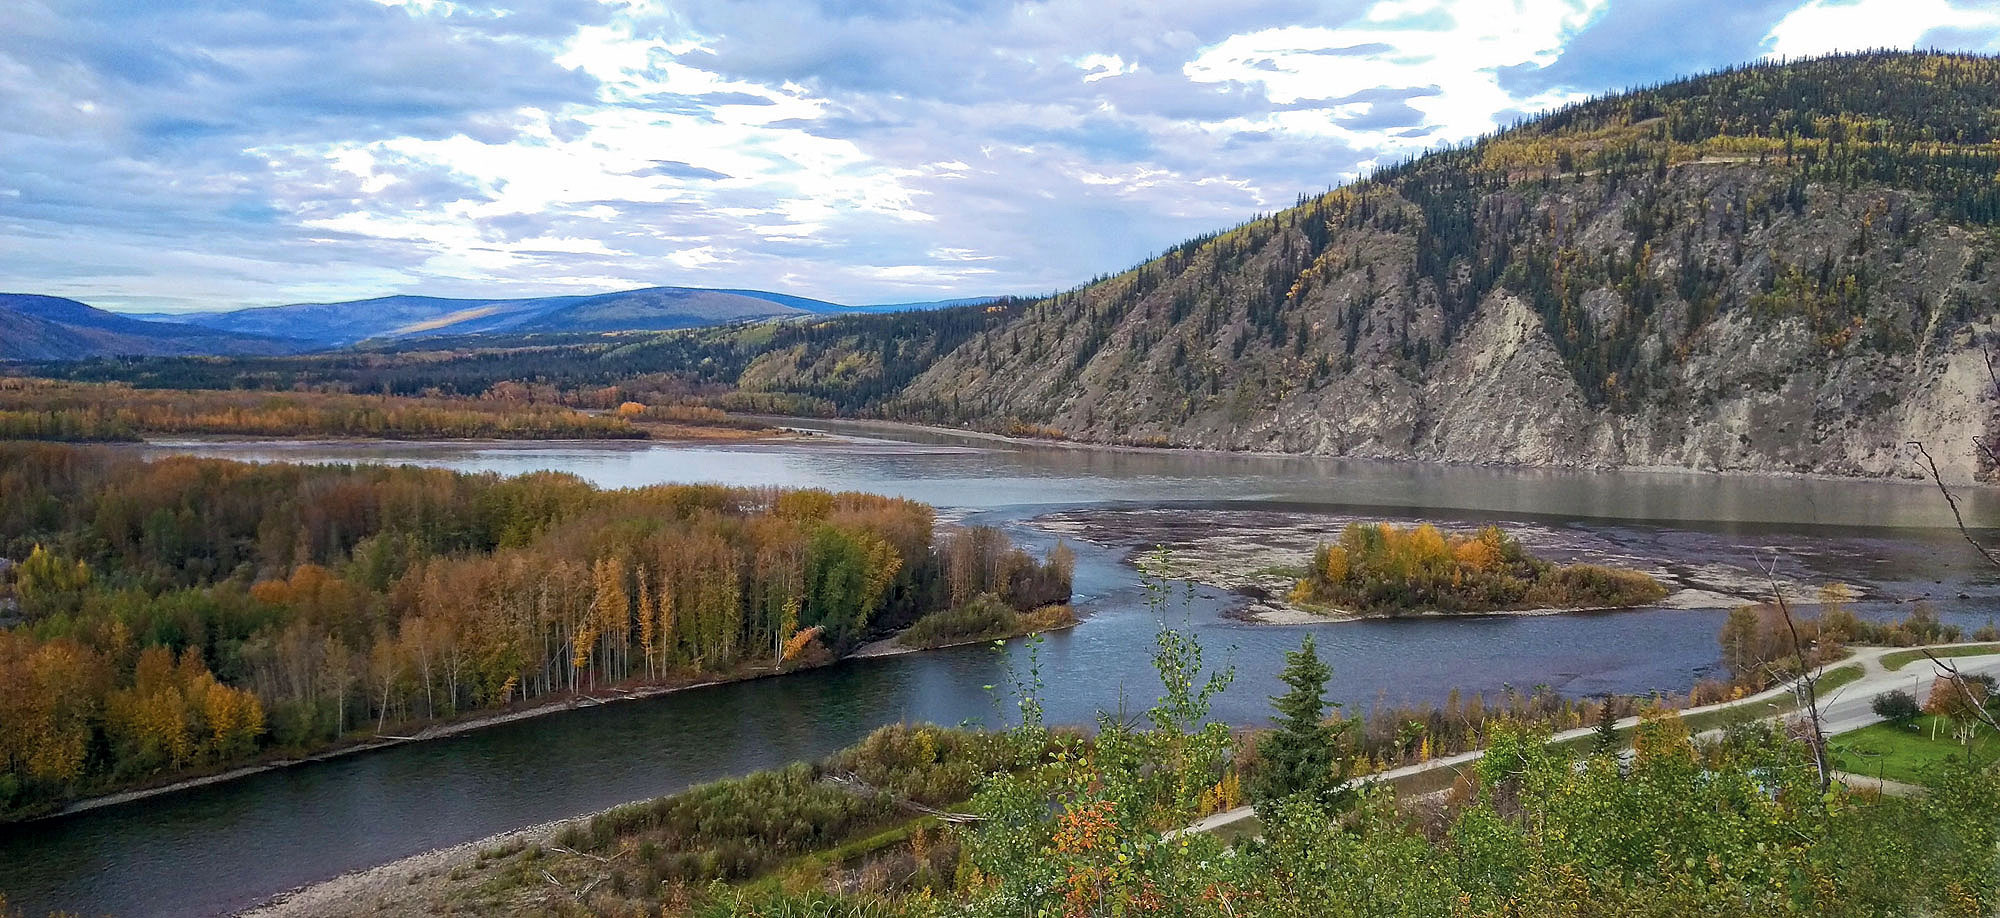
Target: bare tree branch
<point>1808,686</point>
<point>1992,457</point>
<point>1952,500</point>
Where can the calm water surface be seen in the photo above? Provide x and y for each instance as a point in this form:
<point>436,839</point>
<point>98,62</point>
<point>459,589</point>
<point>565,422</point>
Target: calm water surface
<point>217,849</point>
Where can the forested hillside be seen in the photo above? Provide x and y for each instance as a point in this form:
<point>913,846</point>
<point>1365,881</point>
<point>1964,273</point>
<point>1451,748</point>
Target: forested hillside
<point>189,614</point>
<point>48,410</point>
<point>1782,267</point>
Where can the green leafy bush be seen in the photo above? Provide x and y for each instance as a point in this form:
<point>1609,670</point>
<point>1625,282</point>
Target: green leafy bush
<point>986,617</point>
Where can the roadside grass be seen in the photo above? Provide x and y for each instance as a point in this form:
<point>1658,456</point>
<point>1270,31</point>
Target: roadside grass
<point>1905,752</point>
<point>1739,714</point>
<point>1247,827</point>
<point>1836,678</point>
<point>1431,780</point>
<point>1902,658</point>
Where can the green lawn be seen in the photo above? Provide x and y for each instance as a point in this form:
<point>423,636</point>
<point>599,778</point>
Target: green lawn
<point>1902,658</point>
<point>1902,753</point>
<point>1836,678</point>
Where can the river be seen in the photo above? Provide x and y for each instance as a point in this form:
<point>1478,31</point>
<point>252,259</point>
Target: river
<point>215,849</point>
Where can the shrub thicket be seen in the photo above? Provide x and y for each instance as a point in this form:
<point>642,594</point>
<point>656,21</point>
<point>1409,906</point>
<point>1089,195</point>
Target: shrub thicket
<point>1380,568</point>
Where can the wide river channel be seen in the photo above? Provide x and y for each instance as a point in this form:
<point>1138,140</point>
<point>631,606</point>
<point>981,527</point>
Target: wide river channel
<point>216,849</point>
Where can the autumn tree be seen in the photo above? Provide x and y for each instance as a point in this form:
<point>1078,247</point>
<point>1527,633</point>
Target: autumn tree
<point>47,584</point>
<point>1961,701</point>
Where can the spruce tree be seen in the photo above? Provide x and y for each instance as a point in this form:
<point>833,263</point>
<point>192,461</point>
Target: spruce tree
<point>1299,757</point>
<point>1607,727</point>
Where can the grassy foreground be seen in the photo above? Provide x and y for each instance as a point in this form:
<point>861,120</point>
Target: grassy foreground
<point>1910,753</point>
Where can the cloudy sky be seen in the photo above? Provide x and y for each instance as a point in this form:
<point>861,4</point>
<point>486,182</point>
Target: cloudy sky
<point>221,153</point>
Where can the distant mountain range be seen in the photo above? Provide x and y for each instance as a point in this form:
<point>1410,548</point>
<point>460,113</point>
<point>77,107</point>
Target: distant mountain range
<point>390,317</point>
<point>52,328</point>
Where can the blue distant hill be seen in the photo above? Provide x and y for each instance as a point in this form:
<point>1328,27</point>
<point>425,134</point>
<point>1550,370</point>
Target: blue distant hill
<point>35,327</point>
<point>329,325</point>
<point>647,309</point>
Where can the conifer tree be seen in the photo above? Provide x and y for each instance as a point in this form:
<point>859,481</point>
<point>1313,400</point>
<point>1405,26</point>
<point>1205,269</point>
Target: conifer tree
<point>1299,757</point>
<point>1607,727</point>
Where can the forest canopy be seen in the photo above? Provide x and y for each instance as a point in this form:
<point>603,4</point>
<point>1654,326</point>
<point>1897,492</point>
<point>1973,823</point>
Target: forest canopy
<point>187,613</point>
<point>42,409</point>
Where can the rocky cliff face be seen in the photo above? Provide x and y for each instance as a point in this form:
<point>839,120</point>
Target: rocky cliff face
<point>1719,303</point>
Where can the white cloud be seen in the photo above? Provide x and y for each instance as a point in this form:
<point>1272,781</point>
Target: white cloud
<point>568,161</point>
<point>163,155</point>
<point>1397,45</point>
<point>1824,26</point>
<point>1099,66</point>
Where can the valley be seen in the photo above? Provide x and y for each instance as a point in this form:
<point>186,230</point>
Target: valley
<point>1564,519</point>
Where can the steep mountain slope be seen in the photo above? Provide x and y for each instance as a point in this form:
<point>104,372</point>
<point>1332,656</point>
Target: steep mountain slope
<point>36,327</point>
<point>648,309</point>
<point>1778,268</point>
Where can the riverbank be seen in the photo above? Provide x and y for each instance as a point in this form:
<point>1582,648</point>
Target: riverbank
<point>404,886</point>
<point>435,730</point>
<point>650,434</point>
<point>876,650</point>
<point>893,646</point>
<point>1913,477</point>
<point>1267,612</point>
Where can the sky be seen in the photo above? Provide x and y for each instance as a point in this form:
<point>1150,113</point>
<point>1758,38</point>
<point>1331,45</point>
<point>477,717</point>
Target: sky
<point>211,154</point>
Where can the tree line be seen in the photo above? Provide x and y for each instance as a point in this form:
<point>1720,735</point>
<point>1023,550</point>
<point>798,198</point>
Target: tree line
<point>35,409</point>
<point>189,613</point>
